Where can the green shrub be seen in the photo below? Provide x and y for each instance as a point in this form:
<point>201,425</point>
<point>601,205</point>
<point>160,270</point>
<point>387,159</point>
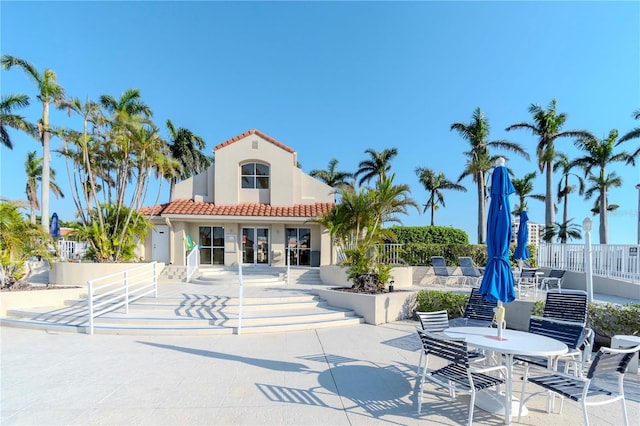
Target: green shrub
<point>434,300</point>
<point>609,319</point>
<point>430,235</point>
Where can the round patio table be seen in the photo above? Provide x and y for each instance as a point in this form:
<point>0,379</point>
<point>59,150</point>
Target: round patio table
<point>512,343</point>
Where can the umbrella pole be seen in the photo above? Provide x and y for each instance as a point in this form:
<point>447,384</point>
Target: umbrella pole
<point>500,313</point>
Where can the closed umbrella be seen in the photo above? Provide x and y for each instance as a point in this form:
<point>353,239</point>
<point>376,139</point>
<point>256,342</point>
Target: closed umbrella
<point>54,226</point>
<point>522,252</point>
<point>497,281</point>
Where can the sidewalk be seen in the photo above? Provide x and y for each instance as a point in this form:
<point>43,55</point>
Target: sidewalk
<point>357,375</point>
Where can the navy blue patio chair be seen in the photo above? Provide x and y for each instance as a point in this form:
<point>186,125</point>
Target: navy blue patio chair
<point>441,271</point>
<point>470,272</point>
<point>477,313</point>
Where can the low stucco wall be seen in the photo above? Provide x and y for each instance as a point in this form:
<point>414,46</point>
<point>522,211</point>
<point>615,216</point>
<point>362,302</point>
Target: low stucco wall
<point>68,273</point>
<point>37,298</point>
<point>374,308</point>
<point>337,275</point>
<point>602,285</point>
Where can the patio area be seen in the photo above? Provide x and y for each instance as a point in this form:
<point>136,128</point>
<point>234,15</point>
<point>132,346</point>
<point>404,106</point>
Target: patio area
<point>353,375</point>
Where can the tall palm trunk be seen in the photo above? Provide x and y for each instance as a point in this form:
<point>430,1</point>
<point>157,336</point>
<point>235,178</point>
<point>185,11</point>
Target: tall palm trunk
<point>482,237</point>
<point>549,213</point>
<point>46,159</point>
<point>565,211</point>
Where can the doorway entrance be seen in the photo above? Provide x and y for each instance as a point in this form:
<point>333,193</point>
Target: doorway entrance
<point>255,246</point>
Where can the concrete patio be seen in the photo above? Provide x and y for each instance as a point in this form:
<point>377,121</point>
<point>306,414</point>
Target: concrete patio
<point>354,375</point>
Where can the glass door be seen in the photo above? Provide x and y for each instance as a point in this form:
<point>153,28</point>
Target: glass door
<point>255,246</point>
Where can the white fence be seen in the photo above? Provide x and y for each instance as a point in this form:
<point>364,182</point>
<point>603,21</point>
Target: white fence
<point>117,290</point>
<point>609,260</point>
<point>193,262</point>
<point>71,249</point>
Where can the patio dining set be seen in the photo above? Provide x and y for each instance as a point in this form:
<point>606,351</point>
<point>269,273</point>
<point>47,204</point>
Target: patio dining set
<point>554,355</point>
<point>526,279</point>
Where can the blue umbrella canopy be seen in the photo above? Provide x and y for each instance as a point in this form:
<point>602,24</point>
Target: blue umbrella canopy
<point>522,252</point>
<point>497,281</point>
<point>54,226</point>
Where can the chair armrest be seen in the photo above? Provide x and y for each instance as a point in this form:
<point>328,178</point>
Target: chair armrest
<point>488,369</point>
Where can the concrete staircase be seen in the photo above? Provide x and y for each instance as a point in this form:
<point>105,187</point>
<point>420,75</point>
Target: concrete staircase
<point>201,314</point>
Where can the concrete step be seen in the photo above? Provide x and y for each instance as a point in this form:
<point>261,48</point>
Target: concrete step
<point>191,315</point>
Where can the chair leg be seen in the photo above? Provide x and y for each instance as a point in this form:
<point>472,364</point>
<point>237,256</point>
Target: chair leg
<point>584,412</point>
<point>624,412</point>
<point>471,403</point>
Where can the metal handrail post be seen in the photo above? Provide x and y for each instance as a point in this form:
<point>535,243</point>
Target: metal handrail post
<point>90,302</point>
<point>155,279</point>
<point>240,290</point>
<point>126,293</point>
<point>288,264</point>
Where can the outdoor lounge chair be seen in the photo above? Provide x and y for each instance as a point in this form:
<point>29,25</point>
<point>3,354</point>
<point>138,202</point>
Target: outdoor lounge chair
<point>570,305</point>
<point>470,272</point>
<point>441,271</point>
<point>433,322</point>
<point>607,362</point>
<point>555,277</point>
<point>570,333</point>
<point>526,281</point>
<point>457,375</point>
<point>478,312</point>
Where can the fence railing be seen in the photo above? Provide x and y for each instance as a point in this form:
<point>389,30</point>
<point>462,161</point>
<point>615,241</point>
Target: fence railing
<point>117,290</point>
<point>609,260</point>
<point>193,262</point>
<point>71,249</point>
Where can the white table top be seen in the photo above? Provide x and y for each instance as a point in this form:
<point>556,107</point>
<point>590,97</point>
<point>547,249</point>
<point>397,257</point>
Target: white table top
<point>514,342</point>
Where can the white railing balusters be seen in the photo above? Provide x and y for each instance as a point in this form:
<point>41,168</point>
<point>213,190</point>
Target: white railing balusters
<point>110,292</point>
<point>193,261</point>
<point>621,261</point>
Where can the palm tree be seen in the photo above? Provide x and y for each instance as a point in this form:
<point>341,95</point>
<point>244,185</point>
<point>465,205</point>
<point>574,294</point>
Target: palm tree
<point>8,118</point>
<point>523,188</point>
<point>33,168</point>
<point>185,146</point>
<point>479,161</point>
<point>434,183</point>
<point>129,107</point>
<point>331,176</point>
<point>565,231</point>
<point>564,188</point>
<point>377,165</point>
<point>546,126</point>
<point>49,91</point>
<point>632,134</point>
<point>599,153</point>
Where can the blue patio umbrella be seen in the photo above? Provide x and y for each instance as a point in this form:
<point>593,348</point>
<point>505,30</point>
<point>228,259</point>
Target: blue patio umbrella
<point>522,252</point>
<point>497,281</point>
<point>54,226</point>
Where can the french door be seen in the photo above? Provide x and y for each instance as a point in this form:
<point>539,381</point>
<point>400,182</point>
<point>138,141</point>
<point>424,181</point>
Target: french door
<point>298,246</point>
<point>255,245</point>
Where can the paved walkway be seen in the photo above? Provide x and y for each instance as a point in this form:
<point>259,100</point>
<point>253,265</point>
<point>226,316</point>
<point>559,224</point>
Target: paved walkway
<point>356,375</point>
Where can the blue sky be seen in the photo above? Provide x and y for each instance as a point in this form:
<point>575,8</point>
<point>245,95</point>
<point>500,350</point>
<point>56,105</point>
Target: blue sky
<point>331,79</point>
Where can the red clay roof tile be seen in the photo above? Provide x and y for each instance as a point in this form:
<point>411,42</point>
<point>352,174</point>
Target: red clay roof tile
<point>190,207</point>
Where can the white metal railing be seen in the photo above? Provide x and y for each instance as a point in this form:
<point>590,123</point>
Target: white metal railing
<point>113,291</point>
<point>193,262</point>
<point>609,260</point>
<point>71,249</point>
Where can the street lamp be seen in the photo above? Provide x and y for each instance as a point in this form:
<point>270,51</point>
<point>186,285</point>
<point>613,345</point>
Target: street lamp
<point>586,226</point>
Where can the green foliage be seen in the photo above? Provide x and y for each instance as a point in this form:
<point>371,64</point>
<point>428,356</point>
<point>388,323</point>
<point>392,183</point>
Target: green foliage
<point>430,235</point>
<point>434,300</point>
<point>538,308</point>
<point>117,239</point>
<point>420,254</point>
<point>609,319</point>
<point>19,240</point>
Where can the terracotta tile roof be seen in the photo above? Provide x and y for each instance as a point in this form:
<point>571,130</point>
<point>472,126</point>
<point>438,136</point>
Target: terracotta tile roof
<point>190,207</point>
<point>253,132</point>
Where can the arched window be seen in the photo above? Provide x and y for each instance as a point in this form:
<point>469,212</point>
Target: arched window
<point>255,175</point>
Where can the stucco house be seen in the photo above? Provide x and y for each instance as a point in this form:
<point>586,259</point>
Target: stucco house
<point>251,204</point>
